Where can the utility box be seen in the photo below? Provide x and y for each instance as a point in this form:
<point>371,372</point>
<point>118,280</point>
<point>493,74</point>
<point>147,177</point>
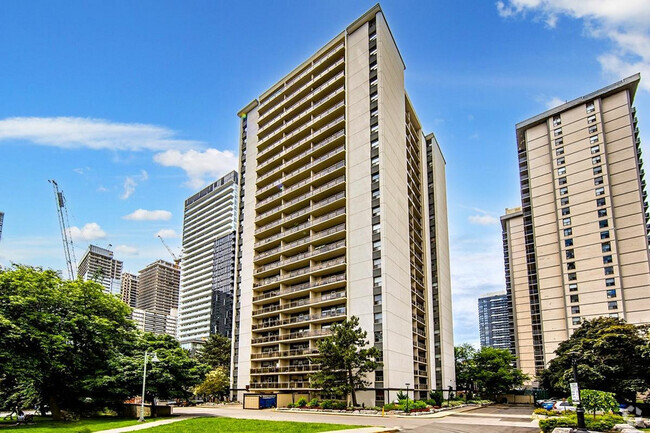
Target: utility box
<point>260,401</point>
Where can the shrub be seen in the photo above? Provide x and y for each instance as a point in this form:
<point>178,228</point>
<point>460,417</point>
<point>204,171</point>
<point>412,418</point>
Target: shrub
<point>437,398</point>
<point>601,423</point>
<point>542,411</point>
<point>291,405</point>
<point>326,404</point>
<point>390,406</point>
<point>339,405</point>
<point>401,396</point>
<point>313,403</point>
<point>302,402</point>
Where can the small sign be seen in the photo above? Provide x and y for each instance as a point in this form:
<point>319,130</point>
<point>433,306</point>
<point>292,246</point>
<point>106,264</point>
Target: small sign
<point>575,393</point>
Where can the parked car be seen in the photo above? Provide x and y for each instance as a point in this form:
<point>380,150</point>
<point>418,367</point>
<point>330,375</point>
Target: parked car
<point>563,406</point>
<point>548,404</point>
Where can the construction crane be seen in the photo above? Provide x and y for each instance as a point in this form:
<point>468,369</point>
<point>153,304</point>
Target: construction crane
<point>64,224</point>
<point>177,260</point>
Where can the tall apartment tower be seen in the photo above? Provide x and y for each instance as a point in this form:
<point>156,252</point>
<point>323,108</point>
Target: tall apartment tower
<point>494,321</point>
<point>342,213</point>
<point>129,290</point>
<point>98,264</point>
<point>158,286</point>
<point>2,218</point>
<point>582,236</point>
<point>209,215</point>
<point>223,285</point>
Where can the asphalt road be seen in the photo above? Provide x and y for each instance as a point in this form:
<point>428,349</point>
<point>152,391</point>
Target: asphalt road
<point>491,419</point>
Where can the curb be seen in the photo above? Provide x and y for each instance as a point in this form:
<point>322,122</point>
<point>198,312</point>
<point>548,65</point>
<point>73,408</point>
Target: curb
<point>147,425</point>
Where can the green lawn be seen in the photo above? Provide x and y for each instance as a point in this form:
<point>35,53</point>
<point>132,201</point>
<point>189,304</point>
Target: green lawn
<point>211,425</point>
<point>45,424</point>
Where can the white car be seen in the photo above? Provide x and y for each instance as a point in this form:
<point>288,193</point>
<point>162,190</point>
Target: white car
<point>563,406</point>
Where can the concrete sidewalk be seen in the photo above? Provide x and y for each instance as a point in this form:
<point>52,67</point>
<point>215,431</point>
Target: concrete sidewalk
<point>366,430</point>
<point>148,424</point>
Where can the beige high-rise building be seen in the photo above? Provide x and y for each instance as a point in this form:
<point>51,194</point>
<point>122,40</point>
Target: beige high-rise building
<point>158,285</point>
<point>129,290</point>
<point>578,248</point>
<point>98,264</point>
<point>342,213</point>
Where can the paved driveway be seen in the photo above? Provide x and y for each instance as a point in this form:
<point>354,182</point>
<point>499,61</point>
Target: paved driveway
<point>491,419</point>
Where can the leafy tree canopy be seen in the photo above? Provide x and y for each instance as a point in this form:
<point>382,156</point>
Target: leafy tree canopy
<point>216,352</point>
<point>464,355</point>
<point>216,383</point>
<point>594,401</point>
<point>611,356</point>
<point>345,360</point>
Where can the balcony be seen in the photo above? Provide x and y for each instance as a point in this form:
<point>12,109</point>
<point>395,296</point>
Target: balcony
<point>293,259</point>
<point>292,336</point>
<point>287,369</point>
<point>301,319</point>
<point>284,353</point>
<point>279,385</point>
<point>301,287</point>
<point>300,303</point>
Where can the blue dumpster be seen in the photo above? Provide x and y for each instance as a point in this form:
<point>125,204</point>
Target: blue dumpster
<point>267,401</point>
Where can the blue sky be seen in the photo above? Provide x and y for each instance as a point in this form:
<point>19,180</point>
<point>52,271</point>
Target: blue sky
<point>131,107</point>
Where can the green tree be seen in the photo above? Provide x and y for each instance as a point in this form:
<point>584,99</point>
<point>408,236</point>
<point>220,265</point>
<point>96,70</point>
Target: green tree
<point>611,356</point>
<point>216,383</point>
<point>216,352</point>
<point>594,401</point>
<point>56,336</point>
<point>345,360</point>
<point>465,368</point>
<point>494,371</point>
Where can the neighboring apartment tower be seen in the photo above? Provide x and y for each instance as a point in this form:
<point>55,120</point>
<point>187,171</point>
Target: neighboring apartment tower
<point>150,321</point>
<point>158,285</point>
<point>209,215</point>
<point>2,218</point>
<point>129,290</point>
<point>583,220</point>
<point>223,285</point>
<point>98,264</point>
<point>336,221</point>
<point>494,320</point>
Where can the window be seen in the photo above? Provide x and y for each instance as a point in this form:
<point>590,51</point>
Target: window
<point>378,339</point>
<point>566,211</point>
<point>559,151</point>
<point>609,282</point>
<point>570,254</point>
<point>374,128</point>
<point>374,143</point>
<point>575,309</point>
<point>598,181</point>
<point>561,171</point>
<point>593,128</point>
<point>602,213</point>
<point>568,232</point>
<point>376,211</point>
<point>374,161</point>
<point>561,161</point>
<point>568,242</point>
<point>590,108</point>
<point>564,201</point>
<point>611,293</point>
<point>606,247</point>
<point>564,190</point>
<point>598,170</point>
<point>609,270</point>
<point>593,139</point>
<point>574,298</point>
<point>377,299</point>
<point>600,191</point>
<point>377,318</point>
<point>375,178</point>
<point>376,263</point>
<point>559,141</point>
<point>612,305</point>
<point>575,320</point>
<point>591,119</point>
<point>376,245</point>
<point>557,120</point>
<point>607,259</point>
<point>376,281</point>
<point>557,131</point>
<point>595,149</point>
<point>375,193</point>
<point>604,234</point>
<point>562,180</point>
<point>600,202</point>
<point>603,223</point>
<point>595,160</point>
<point>573,287</point>
<point>572,276</point>
<point>566,222</point>
<point>571,266</point>
<point>376,228</point>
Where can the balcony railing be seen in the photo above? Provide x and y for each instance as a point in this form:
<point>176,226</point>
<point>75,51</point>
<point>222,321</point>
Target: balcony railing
<point>300,303</point>
<point>279,385</point>
<point>303,256</point>
<point>291,336</point>
<point>287,369</point>
<point>284,353</point>
<point>300,319</point>
<point>299,287</point>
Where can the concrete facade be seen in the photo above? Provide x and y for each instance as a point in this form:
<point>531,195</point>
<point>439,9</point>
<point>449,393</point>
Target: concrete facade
<point>157,323</point>
<point>98,264</point>
<point>584,219</point>
<point>338,184</point>
<point>494,320</point>
<point>129,290</point>
<point>158,286</point>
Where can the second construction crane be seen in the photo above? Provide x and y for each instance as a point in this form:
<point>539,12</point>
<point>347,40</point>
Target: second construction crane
<point>177,259</point>
<point>64,224</point>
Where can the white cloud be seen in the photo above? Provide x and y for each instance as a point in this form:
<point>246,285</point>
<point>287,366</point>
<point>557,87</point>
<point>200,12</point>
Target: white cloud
<point>483,220</point>
<point>148,215</point>
<point>102,188</point>
<point>167,233</point>
<point>554,102</point>
<point>625,24</point>
<point>126,250</point>
<point>201,167</point>
<point>89,232</point>
<point>78,132</point>
<point>131,182</point>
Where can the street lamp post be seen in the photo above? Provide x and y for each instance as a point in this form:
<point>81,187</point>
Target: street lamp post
<point>580,411</point>
<point>144,381</point>
<point>407,397</point>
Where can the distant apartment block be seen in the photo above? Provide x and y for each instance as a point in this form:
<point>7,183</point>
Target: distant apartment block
<point>157,323</point>
<point>129,290</point>
<point>158,286</point>
<point>223,284</point>
<point>494,321</point>
<point>209,216</point>
<point>98,264</point>
<point>579,247</point>
<point>342,213</point>
<point>2,218</point>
